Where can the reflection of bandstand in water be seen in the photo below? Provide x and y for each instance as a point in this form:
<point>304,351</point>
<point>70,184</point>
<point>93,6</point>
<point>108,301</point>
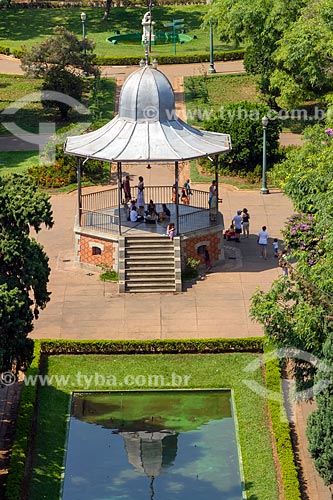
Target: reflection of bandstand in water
<point>146,131</point>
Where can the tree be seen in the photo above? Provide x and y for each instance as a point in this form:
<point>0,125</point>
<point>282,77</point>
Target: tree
<point>259,25</point>
<point>107,8</point>
<point>304,56</point>
<point>294,310</point>
<point>24,269</point>
<point>60,60</point>
<point>242,121</point>
<point>320,422</point>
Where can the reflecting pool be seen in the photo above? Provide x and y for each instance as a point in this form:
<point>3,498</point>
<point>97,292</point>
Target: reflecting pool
<point>157,445</point>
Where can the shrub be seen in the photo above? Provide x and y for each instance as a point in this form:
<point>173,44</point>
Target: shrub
<point>170,59</point>
<point>4,50</point>
<point>64,171</point>
<point>108,274</point>
<point>281,430</point>
<point>23,431</point>
<point>18,53</point>
<point>191,269</point>
<point>242,120</point>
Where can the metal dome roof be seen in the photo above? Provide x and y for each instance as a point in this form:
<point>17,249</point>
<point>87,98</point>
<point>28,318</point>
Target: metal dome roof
<point>147,128</point>
<point>147,94</point>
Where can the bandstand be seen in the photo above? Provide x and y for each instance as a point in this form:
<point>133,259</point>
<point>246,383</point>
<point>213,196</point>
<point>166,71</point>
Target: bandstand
<point>146,131</point>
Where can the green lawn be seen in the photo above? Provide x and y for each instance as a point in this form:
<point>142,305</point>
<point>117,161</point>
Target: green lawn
<point>17,161</point>
<point>28,27</point>
<point>207,94</point>
<point>32,115</point>
<point>205,371</point>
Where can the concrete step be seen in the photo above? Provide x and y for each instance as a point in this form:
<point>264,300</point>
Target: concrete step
<point>148,239</point>
<point>149,254</point>
<point>144,280</point>
<point>151,272</point>
<point>150,289</point>
<point>149,264</point>
<point>152,268</point>
<point>155,244</point>
<point>148,260</point>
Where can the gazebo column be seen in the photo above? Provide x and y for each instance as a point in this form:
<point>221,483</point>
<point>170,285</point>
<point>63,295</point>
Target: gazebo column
<point>79,189</point>
<point>216,164</point>
<point>177,197</point>
<point>119,176</point>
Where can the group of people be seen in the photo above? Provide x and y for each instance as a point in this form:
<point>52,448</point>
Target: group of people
<point>137,211</point>
<point>185,195</point>
<point>150,215</point>
<point>239,224</point>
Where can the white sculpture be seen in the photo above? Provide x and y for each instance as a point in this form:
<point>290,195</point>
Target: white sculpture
<point>148,28</point>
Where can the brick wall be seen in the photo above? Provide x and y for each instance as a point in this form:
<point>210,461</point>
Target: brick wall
<point>88,245</point>
<point>213,241</point>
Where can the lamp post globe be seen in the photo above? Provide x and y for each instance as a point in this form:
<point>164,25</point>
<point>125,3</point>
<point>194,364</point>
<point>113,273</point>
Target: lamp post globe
<point>264,189</point>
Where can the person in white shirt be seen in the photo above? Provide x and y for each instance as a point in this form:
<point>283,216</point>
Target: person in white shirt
<point>237,222</point>
<point>263,241</point>
<point>134,217</point>
<point>133,214</point>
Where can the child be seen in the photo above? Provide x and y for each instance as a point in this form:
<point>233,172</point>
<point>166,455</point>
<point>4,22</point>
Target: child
<point>207,259</point>
<point>283,263</point>
<point>171,230</point>
<point>165,214</point>
<point>185,199</point>
<point>276,247</point>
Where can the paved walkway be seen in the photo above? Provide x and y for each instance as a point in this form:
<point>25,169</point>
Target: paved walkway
<point>83,307</point>
<point>215,307</point>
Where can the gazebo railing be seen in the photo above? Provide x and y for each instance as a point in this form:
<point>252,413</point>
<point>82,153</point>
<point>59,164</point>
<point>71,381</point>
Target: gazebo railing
<point>100,221</point>
<point>159,194</point>
<point>107,222</point>
<point>100,200</point>
<point>197,220</point>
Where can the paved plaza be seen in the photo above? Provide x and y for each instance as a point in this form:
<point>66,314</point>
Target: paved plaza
<point>84,307</point>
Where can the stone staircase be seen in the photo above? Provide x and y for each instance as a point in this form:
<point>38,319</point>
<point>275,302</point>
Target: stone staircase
<point>149,264</point>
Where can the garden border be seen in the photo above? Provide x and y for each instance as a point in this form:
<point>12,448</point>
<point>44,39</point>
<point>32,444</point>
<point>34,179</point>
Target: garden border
<point>26,412</point>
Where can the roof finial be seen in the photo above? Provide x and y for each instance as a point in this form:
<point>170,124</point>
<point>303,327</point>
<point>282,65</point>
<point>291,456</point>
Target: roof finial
<point>148,36</point>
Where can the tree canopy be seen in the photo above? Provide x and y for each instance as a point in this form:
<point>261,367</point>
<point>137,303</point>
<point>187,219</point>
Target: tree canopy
<point>24,269</point>
<point>289,45</point>
<point>61,60</point>
<point>242,121</point>
<point>297,311</point>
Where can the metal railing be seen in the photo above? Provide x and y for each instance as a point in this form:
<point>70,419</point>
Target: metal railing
<point>99,221</point>
<point>197,220</point>
<point>159,194</point>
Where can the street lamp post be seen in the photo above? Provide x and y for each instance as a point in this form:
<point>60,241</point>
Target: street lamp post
<point>211,49</point>
<point>83,19</point>
<point>264,189</point>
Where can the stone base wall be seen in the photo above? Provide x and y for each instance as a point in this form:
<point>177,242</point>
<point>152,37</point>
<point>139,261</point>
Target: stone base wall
<point>93,250</point>
<point>214,242</point>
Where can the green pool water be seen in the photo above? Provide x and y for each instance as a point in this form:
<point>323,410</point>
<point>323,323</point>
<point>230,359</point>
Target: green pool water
<point>157,445</point>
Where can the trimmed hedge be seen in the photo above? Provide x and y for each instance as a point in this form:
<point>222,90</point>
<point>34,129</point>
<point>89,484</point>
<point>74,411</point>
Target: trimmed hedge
<point>178,59</point>
<point>23,432</point>
<point>187,346</point>
<point>281,431</point>
<point>233,55</point>
<point>55,347</point>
